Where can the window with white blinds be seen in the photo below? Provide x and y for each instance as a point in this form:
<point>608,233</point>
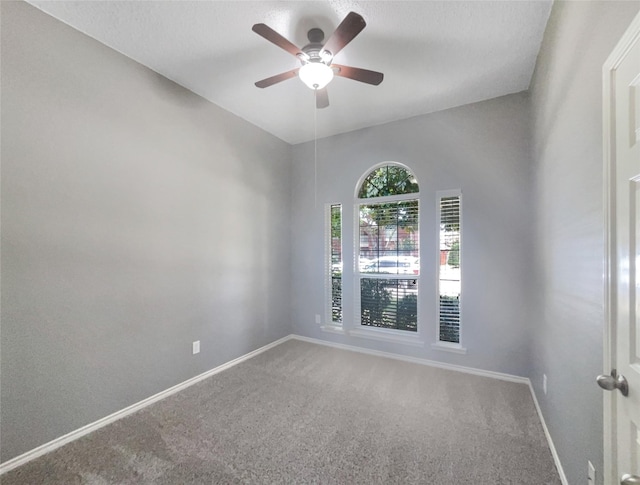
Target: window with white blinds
<point>449,283</point>
<point>389,241</point>
<point>335,259</point>
<point>389,303</point>
<point>389,249</point>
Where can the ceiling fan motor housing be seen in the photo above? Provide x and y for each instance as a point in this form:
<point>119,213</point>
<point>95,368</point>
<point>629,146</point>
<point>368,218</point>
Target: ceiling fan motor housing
<point>315,36</point>
<point>314,49</point>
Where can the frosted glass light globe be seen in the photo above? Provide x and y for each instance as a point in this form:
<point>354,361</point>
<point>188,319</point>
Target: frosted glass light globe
<point>316,75</point>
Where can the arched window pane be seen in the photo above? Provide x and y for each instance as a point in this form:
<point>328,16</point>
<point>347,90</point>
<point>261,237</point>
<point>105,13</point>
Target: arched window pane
<point>388,180</point>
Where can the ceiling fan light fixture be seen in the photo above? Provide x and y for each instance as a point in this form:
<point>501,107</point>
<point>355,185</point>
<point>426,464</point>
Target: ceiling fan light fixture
<point>316,75</point>
<point>326,57</point>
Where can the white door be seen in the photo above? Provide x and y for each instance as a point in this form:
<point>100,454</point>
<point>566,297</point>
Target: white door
<point>622,121</point>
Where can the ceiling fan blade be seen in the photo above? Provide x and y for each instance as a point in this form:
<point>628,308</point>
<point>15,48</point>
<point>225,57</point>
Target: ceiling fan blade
<point>357,74</point>
<point>322,98</point>
<point>351,26</point>
<point>275,38</point>
<point>283,76</point>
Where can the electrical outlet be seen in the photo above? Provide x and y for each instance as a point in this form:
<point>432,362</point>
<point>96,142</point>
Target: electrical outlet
<point>591,474</point>
<point>318,318</point>
<point>544,383</point>
<point>196,347</point>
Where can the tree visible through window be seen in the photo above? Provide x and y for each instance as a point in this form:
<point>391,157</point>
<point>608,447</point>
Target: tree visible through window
<point>388,180</point>
<point>449,269</point>
<point>389,248</point>
<point>336,262</point>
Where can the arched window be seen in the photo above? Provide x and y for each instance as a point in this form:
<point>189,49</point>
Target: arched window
<point>388,180</point>
<point>389,248</point>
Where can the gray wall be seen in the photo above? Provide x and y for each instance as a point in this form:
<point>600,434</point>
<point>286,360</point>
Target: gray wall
<point>136,218</point>
<point>567,330</point>
<point>480,148</point>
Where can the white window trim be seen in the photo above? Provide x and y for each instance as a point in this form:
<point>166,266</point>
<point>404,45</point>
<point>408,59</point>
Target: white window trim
<point>448,346</point>
<point>389,198</point>
<point>387,335</point>
<point>328,289</point>
<point>334,328</point>
<point>457,348</point>
<point>375,333</point>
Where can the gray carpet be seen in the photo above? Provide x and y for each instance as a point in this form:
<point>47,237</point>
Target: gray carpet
<point>306,413</point>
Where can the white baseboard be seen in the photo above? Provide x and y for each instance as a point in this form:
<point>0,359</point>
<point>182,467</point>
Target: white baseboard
<point>554,452</point>
<point>78,433</point>
<point>458,368</point>
<point>417,360</point>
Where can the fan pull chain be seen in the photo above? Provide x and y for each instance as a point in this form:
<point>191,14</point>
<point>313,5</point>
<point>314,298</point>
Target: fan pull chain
<point>315,150</point>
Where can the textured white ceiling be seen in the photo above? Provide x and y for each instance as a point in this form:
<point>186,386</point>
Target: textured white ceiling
<point>434,54</point>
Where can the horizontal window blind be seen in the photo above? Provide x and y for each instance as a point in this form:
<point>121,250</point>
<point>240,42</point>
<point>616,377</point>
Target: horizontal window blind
<point>389,237</point>
<point>389,303</point>
<point>336,262</point>
<point>449,283</point>
<point>449,319</point>
<point>388,256</point>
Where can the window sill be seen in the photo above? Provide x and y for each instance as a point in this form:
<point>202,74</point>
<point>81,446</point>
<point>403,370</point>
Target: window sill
<point>333,329</point>
<point>448,347</point>
<point>386,336</point>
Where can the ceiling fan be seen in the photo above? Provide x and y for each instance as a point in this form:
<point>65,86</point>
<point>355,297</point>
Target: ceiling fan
<point>317,68</point>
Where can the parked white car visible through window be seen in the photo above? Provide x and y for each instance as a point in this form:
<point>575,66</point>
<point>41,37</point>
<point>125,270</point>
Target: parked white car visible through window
<point>394,265</point>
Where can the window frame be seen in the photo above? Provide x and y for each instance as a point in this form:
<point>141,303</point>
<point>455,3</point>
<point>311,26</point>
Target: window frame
<point>441,344</point>
<point>372,332</point>
<point>329,265</point>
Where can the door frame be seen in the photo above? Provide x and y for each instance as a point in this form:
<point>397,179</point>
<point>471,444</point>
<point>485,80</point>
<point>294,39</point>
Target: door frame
<point>632,33</point>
